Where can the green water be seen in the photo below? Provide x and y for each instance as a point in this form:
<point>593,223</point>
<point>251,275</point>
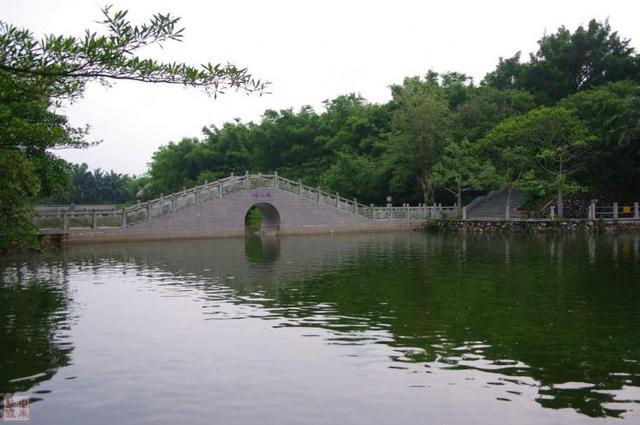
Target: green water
<point>365,329</point>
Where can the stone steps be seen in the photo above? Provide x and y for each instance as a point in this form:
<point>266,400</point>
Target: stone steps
<point>493,205</point>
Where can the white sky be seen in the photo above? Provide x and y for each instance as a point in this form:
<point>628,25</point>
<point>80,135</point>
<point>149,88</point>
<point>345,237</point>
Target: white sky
<point>310,50</point>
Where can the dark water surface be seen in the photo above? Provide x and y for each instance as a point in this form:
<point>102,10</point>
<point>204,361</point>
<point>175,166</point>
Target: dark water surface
<point>400,328</point>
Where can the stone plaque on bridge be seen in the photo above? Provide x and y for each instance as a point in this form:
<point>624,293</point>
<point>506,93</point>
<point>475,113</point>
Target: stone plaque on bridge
<point>262,195</point>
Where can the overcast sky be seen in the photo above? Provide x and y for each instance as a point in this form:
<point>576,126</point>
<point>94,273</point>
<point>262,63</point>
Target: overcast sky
<point>310,50</point>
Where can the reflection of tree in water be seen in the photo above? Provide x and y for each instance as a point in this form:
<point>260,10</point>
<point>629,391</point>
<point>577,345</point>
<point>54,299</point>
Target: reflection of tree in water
<point>262,249</point>
<point>542,310</point>
<point>558,310</point>
<point>33,321</point>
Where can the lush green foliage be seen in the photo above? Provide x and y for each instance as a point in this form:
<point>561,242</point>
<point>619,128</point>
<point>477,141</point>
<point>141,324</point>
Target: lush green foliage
<point>567,63</point>
<point>348,140</point>
<point>99,187</point>
<point>539,151</point>
<point>36,76</point>
<point>461,169</point>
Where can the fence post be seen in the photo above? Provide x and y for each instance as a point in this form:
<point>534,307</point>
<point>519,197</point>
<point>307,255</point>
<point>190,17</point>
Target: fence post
<point>318,197</point>
<point>355,206</point>
<point>506,213</point>
<point>389,212</point>
<point>406,209</point>
<point>65,221</point>
<point>275,180</point>
<point>464,213</point>
<point>593,210</point>
<point>337,200</point>
<point>246,179</point>
<point>552,212</point>
<point>615,210</point>
<point>93,219</point>
<point>123,223</point>
<point>636,211</point>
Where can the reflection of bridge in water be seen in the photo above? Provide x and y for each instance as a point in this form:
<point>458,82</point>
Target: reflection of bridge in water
<point>220,209</point>
<point>481,303</point>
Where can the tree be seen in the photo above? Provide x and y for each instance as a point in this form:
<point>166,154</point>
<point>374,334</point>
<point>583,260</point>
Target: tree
<point>512,157</point>
<point>421,123</point>
<point>612,113</point>
<point>19,183</point>
<point>461,170</point>
<point>357,176</point>
<point>541,151</point>
<point>486,108</point>
<point>60,66</point>
<point>36,76</point>
<point>566,63</point>
<point>560,140</point>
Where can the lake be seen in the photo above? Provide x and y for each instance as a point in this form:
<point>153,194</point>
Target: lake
<point>386,328</point>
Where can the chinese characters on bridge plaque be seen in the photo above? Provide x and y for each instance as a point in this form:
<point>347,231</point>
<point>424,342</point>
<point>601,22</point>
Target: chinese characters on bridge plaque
<point>262,195</point>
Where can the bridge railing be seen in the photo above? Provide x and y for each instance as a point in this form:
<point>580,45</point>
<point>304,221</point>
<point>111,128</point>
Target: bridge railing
<point>98,218</point>
<point>616,211</point>
<point>411,213</point>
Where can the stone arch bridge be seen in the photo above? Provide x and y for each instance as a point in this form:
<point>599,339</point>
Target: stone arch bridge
<point>219,209</point>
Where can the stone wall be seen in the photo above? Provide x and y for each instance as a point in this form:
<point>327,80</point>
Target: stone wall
<point>533,226</point>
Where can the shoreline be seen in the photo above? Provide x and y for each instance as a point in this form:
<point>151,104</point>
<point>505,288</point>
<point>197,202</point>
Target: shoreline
<point>568,225</point>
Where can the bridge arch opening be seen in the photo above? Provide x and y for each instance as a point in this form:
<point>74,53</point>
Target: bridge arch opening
<point>262,217</point>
